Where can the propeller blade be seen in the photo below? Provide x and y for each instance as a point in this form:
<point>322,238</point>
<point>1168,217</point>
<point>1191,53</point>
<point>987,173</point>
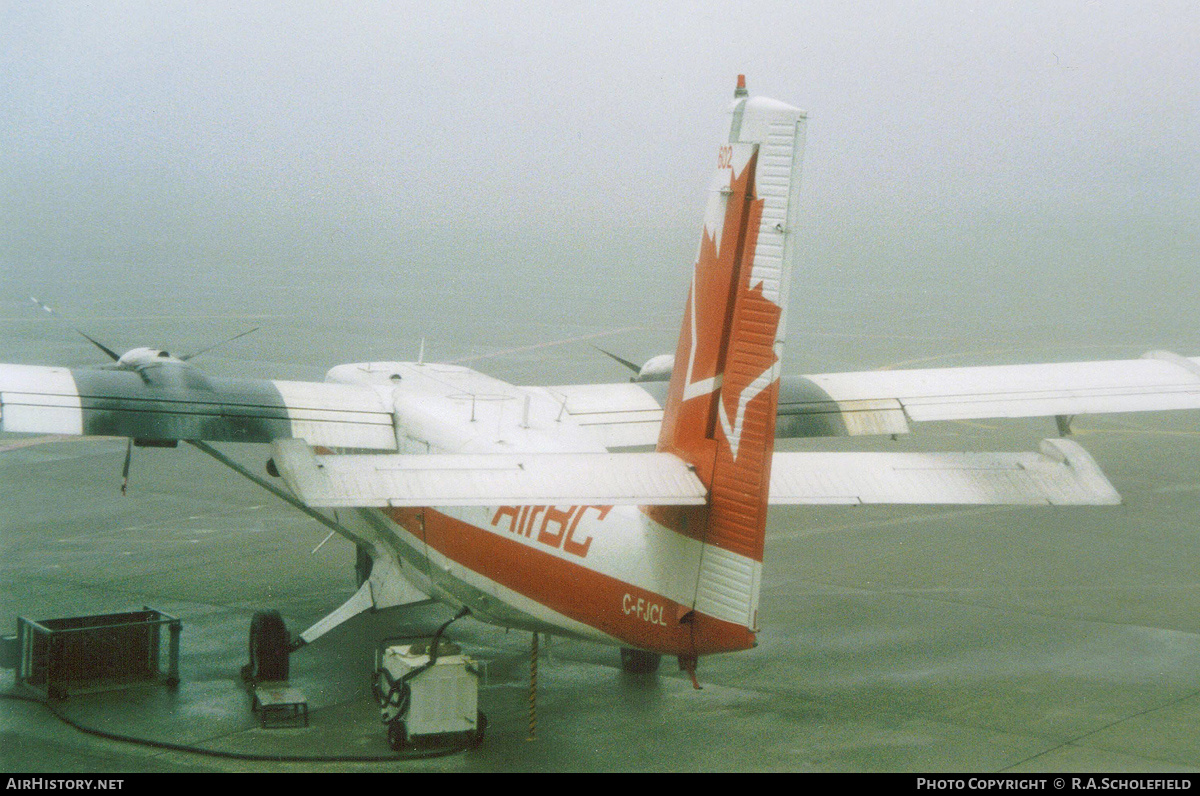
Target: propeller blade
<point>625,362</point>
<point>195,354</point>
<point>115,356</point>
<point>125,468</point>
<point>41,306</point>
<point>49,311</point>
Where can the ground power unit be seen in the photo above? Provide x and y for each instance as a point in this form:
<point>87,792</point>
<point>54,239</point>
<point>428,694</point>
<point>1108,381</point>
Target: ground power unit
<point>428,696</point>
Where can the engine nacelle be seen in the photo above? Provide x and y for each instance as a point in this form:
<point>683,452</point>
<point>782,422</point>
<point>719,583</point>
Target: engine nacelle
<point>656,368</point>
<point>136,358</point>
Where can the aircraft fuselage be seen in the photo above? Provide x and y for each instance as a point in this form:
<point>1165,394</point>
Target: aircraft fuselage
<point>604,573</point>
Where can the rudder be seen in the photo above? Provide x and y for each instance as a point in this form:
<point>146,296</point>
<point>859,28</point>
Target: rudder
<point>721,403</point>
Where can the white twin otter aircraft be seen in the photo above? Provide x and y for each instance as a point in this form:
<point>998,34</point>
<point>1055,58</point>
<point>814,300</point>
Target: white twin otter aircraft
<point>524,505</point>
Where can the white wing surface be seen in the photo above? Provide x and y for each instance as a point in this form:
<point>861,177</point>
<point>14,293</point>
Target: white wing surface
<point>885,399</point>
<point>564,479</point>
<point>1062,474</point>
<point>888,401</point>
<point>177,402</point>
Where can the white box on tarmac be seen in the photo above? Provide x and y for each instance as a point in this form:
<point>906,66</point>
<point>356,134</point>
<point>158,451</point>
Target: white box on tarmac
<point>444,697</point>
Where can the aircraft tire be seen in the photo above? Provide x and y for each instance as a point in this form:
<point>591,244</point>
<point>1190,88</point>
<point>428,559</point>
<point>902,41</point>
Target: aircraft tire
<point>639,661</point>
<point>269,647</point>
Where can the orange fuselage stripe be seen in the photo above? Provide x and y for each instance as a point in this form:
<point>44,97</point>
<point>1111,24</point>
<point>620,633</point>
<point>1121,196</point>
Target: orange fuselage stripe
<point>635,616</point>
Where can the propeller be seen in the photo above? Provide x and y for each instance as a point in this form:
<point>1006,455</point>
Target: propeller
<point>103,347</point>
<point>128,362</point>
<point>635,368</point>
<point>195,354</point>
<point>656,368</point>
<point>41,305</point>
<point>137,359</point>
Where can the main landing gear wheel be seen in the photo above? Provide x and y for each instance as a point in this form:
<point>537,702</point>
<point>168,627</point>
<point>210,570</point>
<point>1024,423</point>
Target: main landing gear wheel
<point>269,648</point>
<point>639,661</point>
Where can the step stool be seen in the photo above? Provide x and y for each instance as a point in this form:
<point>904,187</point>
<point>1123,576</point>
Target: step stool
<point>280,705</point>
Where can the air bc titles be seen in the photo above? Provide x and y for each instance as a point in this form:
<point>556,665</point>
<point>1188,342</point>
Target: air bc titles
<point>550,525</point>
<point>556,527</point>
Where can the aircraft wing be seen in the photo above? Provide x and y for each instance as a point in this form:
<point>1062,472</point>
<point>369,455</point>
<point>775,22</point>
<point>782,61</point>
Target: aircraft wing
<point>183,403</point>
<point>186,404</point>
<point>887,401</point>
<point>884,401</point>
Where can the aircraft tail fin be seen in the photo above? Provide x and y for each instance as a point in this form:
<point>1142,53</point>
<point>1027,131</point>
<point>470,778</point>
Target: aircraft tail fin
<point>721,403</point>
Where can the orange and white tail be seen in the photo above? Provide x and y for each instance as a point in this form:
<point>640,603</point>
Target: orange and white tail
<point>720,410</point>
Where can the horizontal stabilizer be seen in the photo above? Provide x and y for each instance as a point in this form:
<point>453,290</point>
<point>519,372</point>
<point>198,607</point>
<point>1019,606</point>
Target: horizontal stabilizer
<point>564,479</point>
<point>1062,474</point>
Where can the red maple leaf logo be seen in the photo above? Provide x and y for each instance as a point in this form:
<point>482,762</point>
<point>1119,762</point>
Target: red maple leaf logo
<point>727,340</point>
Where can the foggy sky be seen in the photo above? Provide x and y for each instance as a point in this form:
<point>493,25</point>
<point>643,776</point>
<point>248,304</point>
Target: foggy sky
<point>143,130</point>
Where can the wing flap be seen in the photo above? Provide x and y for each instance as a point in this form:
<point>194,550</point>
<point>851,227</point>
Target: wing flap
<point>382,480</point>
<point>1061,474</point>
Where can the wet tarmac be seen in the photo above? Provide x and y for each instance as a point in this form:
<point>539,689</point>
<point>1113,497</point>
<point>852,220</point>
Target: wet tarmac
<point>894,639</point>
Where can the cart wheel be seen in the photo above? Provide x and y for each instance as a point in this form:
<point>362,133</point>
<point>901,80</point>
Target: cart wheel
<point>639,661</point>
<point>268,648</point>
<point>397,735</point>
<point>480,728</point>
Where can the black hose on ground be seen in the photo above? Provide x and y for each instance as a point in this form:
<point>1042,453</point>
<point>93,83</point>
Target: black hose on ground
<point>410,754</point>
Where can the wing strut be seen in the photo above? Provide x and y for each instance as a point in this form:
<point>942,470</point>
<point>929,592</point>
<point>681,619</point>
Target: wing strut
<point>378,591</point>
<point>274,490</point>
